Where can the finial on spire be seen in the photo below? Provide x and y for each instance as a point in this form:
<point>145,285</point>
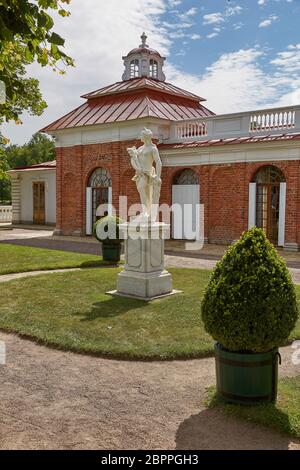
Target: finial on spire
<point>144,39</point>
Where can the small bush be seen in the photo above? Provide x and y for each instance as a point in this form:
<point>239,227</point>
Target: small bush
<point>106,230</point>
<point>250,301</point>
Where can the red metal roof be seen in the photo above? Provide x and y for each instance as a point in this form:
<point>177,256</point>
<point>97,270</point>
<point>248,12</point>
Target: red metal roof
<point>37,166</point>
<point>128,106</point>
<point>143,83</point>
<point>232,141</point>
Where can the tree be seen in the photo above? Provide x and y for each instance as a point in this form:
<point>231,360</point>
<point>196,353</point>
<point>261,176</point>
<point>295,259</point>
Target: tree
<point>26,36</point>
<point>39,149</point>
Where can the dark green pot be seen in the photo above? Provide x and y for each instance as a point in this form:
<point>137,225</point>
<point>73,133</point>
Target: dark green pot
<point>246,378</point>
<point>111,252</point>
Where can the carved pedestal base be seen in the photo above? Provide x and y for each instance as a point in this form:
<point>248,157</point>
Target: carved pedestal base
<point>144,276</point>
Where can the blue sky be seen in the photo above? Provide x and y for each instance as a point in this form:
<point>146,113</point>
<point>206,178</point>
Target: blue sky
<point>239,54</point>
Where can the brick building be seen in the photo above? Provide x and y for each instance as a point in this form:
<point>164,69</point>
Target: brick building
<point>244,167</point>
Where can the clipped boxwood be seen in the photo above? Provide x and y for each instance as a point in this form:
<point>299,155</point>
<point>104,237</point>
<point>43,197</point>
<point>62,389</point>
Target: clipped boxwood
<point>106,230</point>
<point>250,303</point>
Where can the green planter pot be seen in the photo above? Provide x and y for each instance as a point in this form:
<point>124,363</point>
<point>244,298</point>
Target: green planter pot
<point>246,378</point>
<point>111,252</point>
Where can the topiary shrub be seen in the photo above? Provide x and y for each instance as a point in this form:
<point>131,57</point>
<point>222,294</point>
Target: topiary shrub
<point>250,303</point>
<point>106,230</point>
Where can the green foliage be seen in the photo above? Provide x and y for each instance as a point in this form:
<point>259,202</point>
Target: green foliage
<point>39,149</point>
<point>26,36</point>
<point>250,302</point>
<point>106,230</point>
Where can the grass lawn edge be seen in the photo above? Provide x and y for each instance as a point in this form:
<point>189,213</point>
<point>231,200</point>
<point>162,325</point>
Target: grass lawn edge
<point>282,417</point>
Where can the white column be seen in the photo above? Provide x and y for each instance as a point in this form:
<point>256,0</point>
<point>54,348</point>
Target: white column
<point>282,205</point>
<point>16,199</point>
<point>252,205</point>
<point>88,214</point>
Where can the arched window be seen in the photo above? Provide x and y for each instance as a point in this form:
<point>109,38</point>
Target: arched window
<point>269,174</point>
<point>134,68</point>
<point>153,69</point>
<point>100,178</point>
<point>187,176</point>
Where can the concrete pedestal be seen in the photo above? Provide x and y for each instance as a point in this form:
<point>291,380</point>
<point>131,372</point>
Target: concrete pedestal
<point>144,276</point>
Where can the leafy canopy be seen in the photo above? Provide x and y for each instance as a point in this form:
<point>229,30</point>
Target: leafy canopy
<point>250,301</point>
<point>39,149</point>
<point>26,36</point>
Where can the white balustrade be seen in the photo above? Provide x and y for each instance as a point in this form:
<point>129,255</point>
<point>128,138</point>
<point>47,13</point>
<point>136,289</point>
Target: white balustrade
<point>5,214</point>
<point>234,125</point>
<point>274,120</point>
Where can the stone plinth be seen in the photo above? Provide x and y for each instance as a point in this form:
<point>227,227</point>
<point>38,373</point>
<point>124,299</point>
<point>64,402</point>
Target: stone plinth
<point>144,276</point>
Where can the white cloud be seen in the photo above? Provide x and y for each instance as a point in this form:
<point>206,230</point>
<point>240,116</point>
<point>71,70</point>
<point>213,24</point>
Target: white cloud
<point>213,18</point>
<point>194,37</point>
<point>262,2</point>
<point>187,14</point>
<point>236,10</point>
<point>288,61</point>
<point>174,3</point>
<point>212,35</point>
<point>234,82</point>
<point>268,21</point>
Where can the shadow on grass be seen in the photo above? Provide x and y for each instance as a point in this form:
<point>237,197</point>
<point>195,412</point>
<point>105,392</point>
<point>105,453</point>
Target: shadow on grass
<point>212,429</point>
<point>112,307</point>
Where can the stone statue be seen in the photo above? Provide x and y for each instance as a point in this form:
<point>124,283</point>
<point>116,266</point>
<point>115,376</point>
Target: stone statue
<point>147,177</point>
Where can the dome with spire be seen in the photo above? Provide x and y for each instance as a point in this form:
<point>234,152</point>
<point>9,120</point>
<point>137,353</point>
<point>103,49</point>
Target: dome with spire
<point>144,62</point>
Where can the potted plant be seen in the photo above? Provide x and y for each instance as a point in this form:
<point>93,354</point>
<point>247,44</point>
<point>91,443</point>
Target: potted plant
<point>249,308</point>
<point>106,230</point>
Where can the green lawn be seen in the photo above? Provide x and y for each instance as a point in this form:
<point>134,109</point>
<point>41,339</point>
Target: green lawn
<point>17,259</point>
<point>71,311</point>
<point>284,416</point>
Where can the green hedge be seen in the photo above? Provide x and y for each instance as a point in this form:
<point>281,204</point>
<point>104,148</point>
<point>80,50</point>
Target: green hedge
<point>250,301</point>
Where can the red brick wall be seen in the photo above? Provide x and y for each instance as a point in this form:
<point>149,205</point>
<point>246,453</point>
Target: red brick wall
<point>223,189</point>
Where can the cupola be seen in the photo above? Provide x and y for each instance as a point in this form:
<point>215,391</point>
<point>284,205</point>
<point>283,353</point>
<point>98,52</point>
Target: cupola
<point>144,62</point>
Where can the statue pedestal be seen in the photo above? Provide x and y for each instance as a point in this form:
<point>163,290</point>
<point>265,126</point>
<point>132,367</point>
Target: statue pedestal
<point>144,276</point>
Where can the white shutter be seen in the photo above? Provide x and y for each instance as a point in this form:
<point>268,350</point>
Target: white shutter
<point>186,221</point>
<point>252,205</point>
<point>88,212</point>
<point>282,205</point>
<point>110,209</point>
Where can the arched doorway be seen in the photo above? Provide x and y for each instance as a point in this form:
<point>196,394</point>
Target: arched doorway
<point>98,193</point>
<point>185,202</point>
<point>269,191</point>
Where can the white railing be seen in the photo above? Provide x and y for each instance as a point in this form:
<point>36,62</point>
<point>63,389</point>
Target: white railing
<point>5,214</point>
<point>262,122</point>
<point>191,129</point>
<point>276,120</point>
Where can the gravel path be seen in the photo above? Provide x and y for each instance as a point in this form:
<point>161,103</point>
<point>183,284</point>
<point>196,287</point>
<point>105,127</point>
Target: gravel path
<point>53,399</point>
<point>58,400</point>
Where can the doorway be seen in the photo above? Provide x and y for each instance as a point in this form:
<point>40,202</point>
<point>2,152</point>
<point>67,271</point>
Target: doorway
<point>185,202</point>
<point>98,197</point>
<point>269,181</point>
<point>39,202</point>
